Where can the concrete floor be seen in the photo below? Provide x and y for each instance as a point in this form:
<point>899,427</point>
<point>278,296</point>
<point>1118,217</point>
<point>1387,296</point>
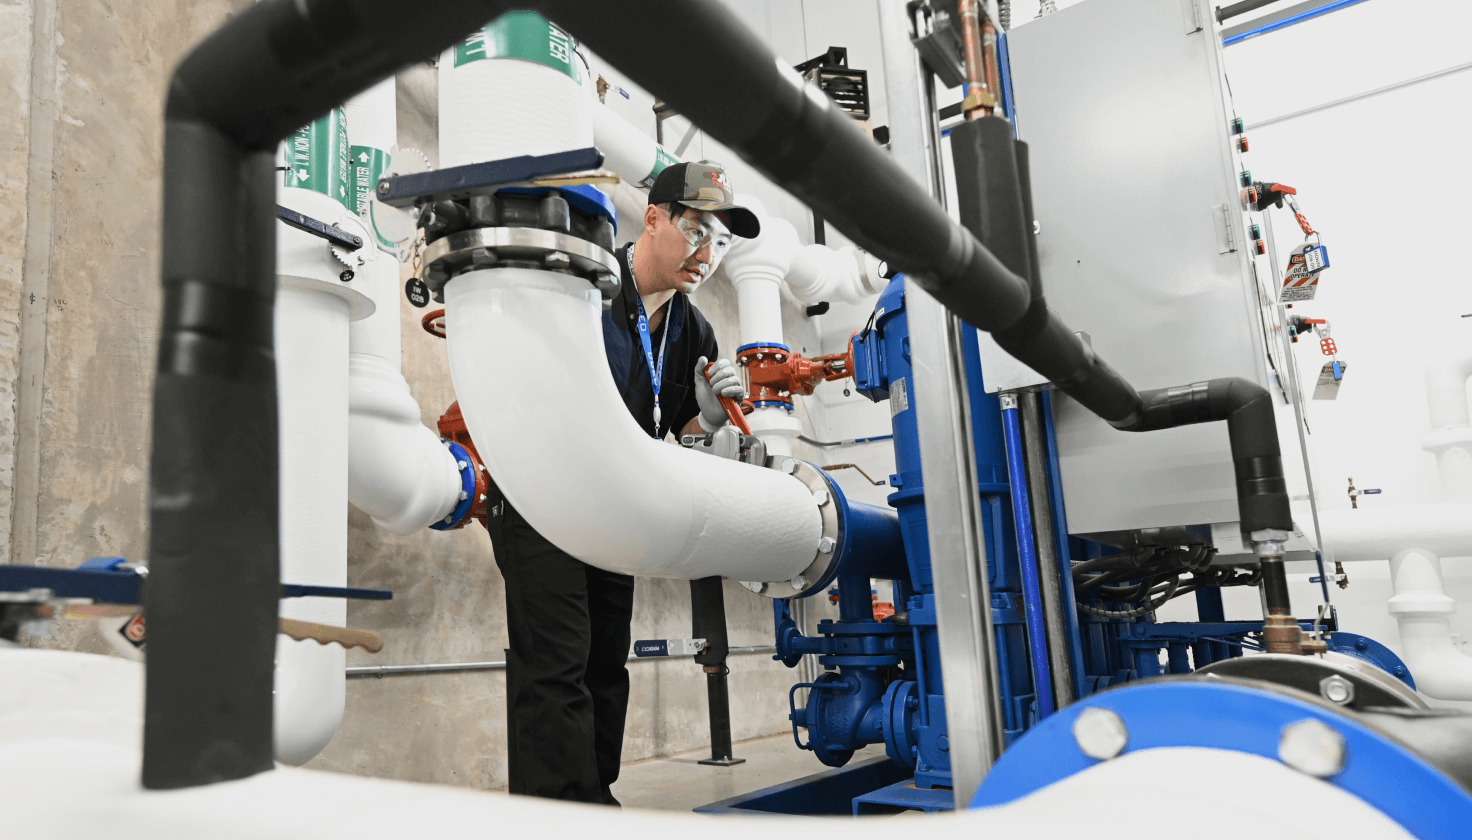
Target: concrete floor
<point>678,783</point>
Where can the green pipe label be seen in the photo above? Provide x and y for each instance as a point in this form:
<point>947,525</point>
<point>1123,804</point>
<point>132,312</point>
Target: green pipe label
<point>524,35</point>
<point>317,158</point>
<point>662,160</point>
<point>368,164</point>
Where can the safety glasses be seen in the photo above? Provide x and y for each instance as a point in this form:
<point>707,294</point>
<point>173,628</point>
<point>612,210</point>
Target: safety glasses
<point>705,229</point>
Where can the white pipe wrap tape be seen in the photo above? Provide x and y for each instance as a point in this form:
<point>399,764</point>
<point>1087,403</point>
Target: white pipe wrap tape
<point>513,89</point>
<point>527,358</point>
<point>311,343</point>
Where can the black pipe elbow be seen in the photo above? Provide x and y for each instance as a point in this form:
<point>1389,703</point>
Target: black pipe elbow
<point>1262,490</point>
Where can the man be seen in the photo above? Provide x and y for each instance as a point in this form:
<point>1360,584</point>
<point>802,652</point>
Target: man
<point>567,685</point>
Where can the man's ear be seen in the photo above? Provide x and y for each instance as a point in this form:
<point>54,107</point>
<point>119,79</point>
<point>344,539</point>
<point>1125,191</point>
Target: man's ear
<point>651,218</point>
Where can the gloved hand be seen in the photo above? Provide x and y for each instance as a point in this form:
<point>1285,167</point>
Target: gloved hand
<point>723,382</point>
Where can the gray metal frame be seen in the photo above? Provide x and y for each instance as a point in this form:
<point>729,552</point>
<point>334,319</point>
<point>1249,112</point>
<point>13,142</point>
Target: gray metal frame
<point>952,505</point>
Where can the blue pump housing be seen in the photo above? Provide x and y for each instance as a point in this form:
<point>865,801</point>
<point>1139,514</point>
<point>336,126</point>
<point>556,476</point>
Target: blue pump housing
<point>883,683</point>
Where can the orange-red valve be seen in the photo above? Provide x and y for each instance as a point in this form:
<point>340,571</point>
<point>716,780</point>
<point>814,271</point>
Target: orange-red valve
<point>434,323</point>
<point>774,374</point>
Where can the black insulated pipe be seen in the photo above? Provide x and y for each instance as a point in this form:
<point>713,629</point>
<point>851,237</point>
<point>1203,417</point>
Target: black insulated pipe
<point>214,578</point>
<point>1262,492</point>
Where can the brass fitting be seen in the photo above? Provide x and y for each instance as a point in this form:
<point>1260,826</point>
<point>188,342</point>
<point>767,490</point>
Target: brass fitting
<point>1281,634</point>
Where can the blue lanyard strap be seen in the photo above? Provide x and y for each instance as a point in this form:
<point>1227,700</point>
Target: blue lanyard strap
<point>656,371</point>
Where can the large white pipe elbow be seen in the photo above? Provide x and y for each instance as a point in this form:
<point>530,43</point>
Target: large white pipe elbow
<point>399,472</point>
<point>563,449</point>
<point>1450,438</point>
<point>1423,610</point>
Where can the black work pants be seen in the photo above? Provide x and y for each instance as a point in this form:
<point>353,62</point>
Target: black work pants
<point>567,681</point>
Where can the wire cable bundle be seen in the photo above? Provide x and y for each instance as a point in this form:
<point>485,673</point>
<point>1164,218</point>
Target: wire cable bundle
<point>1149,576</point>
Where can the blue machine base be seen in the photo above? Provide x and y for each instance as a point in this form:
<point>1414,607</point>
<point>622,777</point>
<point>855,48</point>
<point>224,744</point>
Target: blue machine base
<point>829,793</point>
<point>905,796</point>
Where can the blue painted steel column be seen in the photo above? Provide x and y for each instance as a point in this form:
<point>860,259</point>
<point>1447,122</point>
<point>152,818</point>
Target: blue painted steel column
<point>1032,587</point>
<point>1065,557</point>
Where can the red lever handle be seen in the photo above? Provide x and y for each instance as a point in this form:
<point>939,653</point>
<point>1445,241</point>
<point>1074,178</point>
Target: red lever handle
<point>733,408</point>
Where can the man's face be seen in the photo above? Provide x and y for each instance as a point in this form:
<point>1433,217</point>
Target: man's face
<point>688,247</point>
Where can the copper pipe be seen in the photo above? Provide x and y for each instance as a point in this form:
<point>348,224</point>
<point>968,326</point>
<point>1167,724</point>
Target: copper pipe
<point>989,55</point>
<point>979,100</point>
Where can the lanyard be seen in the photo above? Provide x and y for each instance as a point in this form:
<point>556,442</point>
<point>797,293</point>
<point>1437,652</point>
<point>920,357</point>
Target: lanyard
<point>656,371</point>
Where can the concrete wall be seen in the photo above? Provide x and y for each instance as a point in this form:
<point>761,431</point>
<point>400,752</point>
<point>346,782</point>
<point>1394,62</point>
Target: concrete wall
<point>81,129</point>
<point>80,126</point>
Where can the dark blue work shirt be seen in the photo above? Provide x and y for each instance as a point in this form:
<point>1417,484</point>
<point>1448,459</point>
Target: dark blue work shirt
<point>690,338</point>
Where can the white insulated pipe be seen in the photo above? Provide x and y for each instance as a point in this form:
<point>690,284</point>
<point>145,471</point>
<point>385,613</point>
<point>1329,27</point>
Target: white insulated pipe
<point>399,472</point>
<point>1450,438</point>
<point>847,274</point>
<point>627,151</point>
<point>373,131</point>
<point>513,89</point>
<point>1423,610</point>
<point>756,268</point>
<point>561,445</point>
<point>1416,537</point>
<point>313,310</point>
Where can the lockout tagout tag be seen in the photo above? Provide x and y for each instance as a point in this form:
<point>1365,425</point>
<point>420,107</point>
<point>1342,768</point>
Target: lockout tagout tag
<point>1305,265</point>
<point>1331,376</point>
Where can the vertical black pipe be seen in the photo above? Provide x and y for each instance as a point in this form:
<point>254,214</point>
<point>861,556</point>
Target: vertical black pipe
<point>213,584</point>
<point>708,621</point>
<point>1060,649</point>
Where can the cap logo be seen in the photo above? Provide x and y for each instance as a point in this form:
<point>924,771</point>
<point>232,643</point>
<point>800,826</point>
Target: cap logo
<point>718,178</point>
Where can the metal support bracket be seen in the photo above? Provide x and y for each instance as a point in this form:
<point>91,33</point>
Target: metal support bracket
<point>307,224</point>
<point>482,178</point>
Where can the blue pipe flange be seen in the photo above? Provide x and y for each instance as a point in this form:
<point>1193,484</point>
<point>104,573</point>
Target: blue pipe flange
<point>785,406</point>
<point>1352,752</point>
<point>901,705</point>
<point>1369,650</point>
<point>466,465</point>
<point>777,344</point>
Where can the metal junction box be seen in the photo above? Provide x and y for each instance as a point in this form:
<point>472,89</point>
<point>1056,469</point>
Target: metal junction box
<point>1142,240</point>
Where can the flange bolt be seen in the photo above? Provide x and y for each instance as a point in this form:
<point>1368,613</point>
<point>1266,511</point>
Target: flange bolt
<point>1100,733</point>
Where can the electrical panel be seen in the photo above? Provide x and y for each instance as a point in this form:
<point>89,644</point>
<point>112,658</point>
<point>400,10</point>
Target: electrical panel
<point>1144,246</point>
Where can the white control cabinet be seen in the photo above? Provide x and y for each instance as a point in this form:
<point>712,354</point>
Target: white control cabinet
<point>1143,243</point>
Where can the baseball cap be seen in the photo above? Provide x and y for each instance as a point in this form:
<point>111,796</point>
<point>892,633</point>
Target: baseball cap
<point>704,186</point>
